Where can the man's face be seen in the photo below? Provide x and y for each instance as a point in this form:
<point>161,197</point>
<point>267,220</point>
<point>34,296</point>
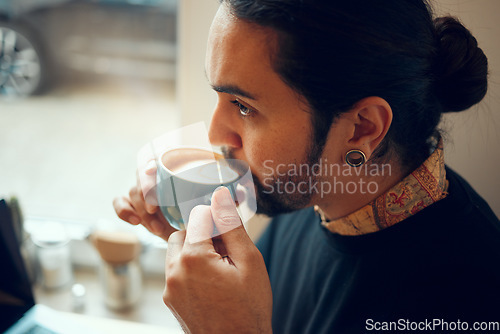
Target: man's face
<point>258,118</point>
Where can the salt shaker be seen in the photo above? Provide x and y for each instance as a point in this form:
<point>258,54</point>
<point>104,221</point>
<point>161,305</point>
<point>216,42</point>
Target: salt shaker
<point>53,255</point>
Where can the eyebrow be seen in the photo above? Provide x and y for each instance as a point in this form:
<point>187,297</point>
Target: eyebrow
<point>233,90</point>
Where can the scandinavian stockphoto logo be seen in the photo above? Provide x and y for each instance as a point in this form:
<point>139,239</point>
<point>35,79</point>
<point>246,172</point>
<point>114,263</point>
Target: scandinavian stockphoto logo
<point>322,178</point>
<point>181,170</point>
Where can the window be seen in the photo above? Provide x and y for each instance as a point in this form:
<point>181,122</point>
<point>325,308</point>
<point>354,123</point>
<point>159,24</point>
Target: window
<point>83,86</point>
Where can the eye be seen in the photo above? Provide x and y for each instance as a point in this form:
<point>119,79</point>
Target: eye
<point>244,110</point>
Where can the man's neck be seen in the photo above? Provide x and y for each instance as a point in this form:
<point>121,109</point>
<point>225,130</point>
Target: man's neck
<point>355,188</point>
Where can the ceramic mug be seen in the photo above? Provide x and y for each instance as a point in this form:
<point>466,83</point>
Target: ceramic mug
<point>188,176</point>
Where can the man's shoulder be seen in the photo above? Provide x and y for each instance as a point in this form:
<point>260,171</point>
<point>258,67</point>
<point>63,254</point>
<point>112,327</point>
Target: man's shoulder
<point>289,226</point>
<point>467,195</point>
<point>464,205</point>
<point>460,225</point>
<point>302,215</point>
<point>293,222</point>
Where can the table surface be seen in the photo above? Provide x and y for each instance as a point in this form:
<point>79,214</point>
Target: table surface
<point>150,309</point>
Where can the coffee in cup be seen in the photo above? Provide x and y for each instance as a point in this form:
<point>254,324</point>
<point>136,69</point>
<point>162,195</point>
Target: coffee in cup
<point>187,177</point>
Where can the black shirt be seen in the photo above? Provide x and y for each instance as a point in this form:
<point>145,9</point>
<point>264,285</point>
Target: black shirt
<point>443,264</point>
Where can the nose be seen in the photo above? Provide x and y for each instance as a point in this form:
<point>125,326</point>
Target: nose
<point>224,128</point>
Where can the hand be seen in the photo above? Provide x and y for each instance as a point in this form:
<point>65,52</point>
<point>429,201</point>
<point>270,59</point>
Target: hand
<point>213,288</point>
<point>135,210</point>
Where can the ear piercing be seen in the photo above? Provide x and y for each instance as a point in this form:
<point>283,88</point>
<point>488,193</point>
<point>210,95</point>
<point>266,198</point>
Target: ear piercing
<point>355,158</point>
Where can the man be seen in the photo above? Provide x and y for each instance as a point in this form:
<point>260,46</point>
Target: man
<point>359,268</point>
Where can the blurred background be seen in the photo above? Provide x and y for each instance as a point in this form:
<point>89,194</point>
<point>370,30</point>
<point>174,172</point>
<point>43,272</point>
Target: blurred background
<point>100,81</point>
<point>84,84</point>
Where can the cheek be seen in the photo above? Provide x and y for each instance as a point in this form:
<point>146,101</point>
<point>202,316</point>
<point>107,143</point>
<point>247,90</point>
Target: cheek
<point>272,141</point>
<point>259,153</point>
<point>268,152</point>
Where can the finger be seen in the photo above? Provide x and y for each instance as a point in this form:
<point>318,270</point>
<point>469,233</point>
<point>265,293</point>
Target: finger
<point>151,202</point>
<point>150,208</point>
<point>148,187</point>
<point>240,194</point>
<point>125,210</point>
<point>146,182</point>
<point>137,201</point>
<point>224,209</point>
<point>159,226</point>
<point>228,224</point>
<point>200,227</point>
<point>155,223</point>
<point>175,243</point>
<point>150,168</point>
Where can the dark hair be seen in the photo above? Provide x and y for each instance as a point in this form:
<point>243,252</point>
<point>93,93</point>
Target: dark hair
<point>337,52</point>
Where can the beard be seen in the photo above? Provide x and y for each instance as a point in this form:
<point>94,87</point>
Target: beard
<point>271,202</point>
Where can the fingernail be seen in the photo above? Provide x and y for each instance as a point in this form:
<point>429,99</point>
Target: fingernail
<point>150,208</point>
<point>135,220</point>
<point>224,197</point>
<point>150,168</point>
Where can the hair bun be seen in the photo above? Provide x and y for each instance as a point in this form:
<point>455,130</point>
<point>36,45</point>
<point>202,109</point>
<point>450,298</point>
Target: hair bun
<point>462,67</point>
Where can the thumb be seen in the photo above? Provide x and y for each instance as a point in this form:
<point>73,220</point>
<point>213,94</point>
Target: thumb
<point>228,224</point>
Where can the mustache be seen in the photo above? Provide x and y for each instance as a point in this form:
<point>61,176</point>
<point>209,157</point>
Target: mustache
<point>228,153</point>
<point>237,165</point>
<point>240,166</point>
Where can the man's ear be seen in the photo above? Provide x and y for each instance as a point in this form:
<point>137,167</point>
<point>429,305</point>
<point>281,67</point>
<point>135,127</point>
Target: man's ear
<point>372,117</point>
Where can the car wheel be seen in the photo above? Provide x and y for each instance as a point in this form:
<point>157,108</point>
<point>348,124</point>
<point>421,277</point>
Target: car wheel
<point>21,63</point>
